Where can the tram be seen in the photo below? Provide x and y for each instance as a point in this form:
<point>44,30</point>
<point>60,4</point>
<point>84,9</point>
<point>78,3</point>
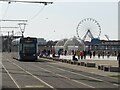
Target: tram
<point>25,48</point>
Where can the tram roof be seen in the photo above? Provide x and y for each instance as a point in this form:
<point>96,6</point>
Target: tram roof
<point>16,41</point>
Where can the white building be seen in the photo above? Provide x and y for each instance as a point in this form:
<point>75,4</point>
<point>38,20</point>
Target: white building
<point>72,44</point>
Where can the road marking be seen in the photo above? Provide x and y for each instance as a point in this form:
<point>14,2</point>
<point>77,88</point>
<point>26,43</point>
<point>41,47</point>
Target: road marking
<point>83,84</point>
<point>87,76</point>
<point>65,77</point>
<point>11,77</point>
<point>77,73</point>
<point>82,75</point>
<point>116,84</point>
<point>33,75</point>
<point>34,86</point>
<point>62,69</point>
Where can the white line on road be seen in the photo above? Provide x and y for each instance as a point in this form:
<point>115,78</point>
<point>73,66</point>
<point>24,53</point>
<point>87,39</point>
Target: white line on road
<point>11,77</point>
<point>81,75</point>
<point>116,84</point>
<point>33,75</point>
<point>76,81</point>
<point>34,86</point>
<point>65,77</point>
<point>77,73</point>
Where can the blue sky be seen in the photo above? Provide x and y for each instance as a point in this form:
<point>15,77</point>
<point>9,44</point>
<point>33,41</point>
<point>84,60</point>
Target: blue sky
<point>60,20</point>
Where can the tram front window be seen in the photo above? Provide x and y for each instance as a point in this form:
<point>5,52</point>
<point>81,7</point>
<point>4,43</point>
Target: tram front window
<point>29,48</point>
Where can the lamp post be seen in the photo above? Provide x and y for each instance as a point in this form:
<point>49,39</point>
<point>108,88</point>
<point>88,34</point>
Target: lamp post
<point>22,28</point>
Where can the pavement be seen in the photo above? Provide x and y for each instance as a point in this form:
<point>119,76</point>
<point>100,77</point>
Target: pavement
<point>112,60</point>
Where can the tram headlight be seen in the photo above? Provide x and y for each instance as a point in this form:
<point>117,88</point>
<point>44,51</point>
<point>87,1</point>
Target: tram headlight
<point>33,54</point>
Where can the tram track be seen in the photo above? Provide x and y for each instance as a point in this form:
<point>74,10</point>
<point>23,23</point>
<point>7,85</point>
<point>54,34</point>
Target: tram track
<point>28,73</point>
<point>43,71</point>
<point>59,75</point>
<point>16,83</point>
<point>38,65</point>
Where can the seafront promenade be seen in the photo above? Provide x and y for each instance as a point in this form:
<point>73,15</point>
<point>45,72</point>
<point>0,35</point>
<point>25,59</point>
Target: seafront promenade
<point>112,60</point>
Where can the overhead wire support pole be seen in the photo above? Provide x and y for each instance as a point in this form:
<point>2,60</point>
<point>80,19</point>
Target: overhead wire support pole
<point>41,2</point>
<point>9,27</point>
<point>14,20</point>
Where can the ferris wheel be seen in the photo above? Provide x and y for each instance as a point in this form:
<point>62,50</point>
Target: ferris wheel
<point>88,27</point>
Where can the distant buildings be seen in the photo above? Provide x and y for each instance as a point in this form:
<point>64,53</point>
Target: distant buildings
<point>69,45</point>
<point>41,41</point>
<point>99,46</point>
<point>112,46</point>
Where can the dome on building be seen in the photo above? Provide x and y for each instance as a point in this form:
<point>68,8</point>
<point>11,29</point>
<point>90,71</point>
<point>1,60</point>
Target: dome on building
<point>60,45</point>
<point>74,44</point>
<point>61,42</point>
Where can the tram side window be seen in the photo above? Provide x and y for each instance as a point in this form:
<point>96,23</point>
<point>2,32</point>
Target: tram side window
<point>20,48</point>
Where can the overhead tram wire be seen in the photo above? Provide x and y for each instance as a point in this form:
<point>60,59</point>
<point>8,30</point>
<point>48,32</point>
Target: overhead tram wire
<point>40,2</point>
<point>6,11</point>
<point>4,16</point>
<point>13,20</point>
<point>33,17</point>
<point>9,2</point>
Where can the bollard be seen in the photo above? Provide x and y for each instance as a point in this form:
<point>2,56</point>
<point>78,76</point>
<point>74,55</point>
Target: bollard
<point>72,62</point>
<point>114,69</point>
<point>82,63</point>
<point>90,64</point>
<point>106,68</point>
<point>78,63</point>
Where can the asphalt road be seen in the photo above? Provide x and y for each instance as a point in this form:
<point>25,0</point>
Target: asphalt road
<point>47,74</point>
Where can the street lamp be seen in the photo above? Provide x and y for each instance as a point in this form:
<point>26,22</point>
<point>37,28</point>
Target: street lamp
<point>22,27</point>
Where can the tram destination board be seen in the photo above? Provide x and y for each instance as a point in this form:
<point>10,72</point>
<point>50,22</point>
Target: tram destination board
<point>28,40</point>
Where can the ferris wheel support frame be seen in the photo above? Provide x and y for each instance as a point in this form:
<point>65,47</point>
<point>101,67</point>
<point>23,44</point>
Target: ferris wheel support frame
<point>89,34</point>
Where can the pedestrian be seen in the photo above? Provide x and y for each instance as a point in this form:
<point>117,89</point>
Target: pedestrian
<point>103,53</point>
<point>81,54</point>
<point>73,52</point>
<point>94,54</point>
<point>65,52</point>
<point>78,54</point>
<point>98,54</point>
<point>118,58</point>
<point>85,53</point>
<point>108,54</point>
<point>59,52</point>
<point>90,53</point>
<point>74,58</point>
<point>53,55</point>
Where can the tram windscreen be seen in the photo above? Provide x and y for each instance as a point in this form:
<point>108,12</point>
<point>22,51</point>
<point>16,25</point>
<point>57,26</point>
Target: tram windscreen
<point>29,48</point>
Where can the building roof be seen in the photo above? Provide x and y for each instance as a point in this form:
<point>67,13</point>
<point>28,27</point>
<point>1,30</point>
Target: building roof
<point>74,41</point>
<point>61,42</point>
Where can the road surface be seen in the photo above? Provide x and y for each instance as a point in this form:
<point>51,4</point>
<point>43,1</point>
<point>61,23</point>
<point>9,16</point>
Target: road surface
<point>48,74</point>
